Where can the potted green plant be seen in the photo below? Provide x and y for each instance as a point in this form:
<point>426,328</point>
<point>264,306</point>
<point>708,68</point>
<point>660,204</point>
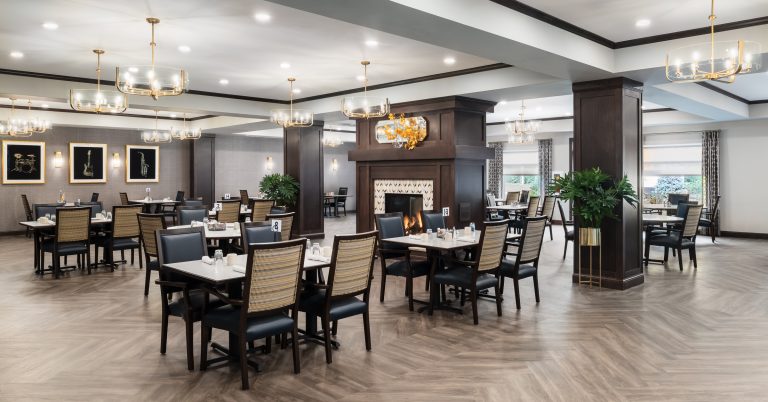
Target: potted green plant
<point>594,196</point>
<point>280,187</point>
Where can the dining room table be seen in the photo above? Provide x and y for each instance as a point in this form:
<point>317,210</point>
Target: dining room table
<point>153,206</point>
<point>39,227</point>
<point>652,221</point>
<point>231,277</point>
<point>435,246</point>
<point>663,208</point>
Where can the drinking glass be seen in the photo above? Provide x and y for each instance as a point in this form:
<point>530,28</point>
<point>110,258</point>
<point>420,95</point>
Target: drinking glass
<point>218,256</point>
<point>429,233</point>
<point>316,250</point>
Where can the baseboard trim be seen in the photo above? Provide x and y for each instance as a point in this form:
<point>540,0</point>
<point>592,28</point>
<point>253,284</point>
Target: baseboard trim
<point>744,235</point>
<point>613,283</point>
<point>13,233</point>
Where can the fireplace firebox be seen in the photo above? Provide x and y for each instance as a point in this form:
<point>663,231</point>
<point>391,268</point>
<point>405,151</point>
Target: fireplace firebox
<point>410,205</point>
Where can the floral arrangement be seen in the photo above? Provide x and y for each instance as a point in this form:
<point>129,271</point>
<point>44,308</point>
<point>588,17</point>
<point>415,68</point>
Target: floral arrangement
<point>408,131</point>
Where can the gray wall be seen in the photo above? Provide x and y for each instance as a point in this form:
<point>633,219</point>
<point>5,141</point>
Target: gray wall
<point>344,176</point>
<point>174,173</point>
<point>241,160</point>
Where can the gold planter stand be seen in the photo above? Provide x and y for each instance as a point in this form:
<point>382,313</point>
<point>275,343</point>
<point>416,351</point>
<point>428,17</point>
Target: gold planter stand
<point>590,238</point>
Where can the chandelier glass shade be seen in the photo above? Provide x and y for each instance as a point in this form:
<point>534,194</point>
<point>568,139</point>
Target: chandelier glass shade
<point>291,117</point>
<point>714,61</point>
<point>521,131</point>
<point>14,126</point>
<point>156,136</point>
<point>358,107</point>
<point>98,100</point>
<point>331,139</point>
<point>35,124</point>
<point>185,132</point>
<point>151,80</point>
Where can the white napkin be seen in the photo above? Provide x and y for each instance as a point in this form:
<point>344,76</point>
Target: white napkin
<point>320,258</point>
<point>238,268</point>
<point>466,239</point>
<point>208,260</point>
<point>415,237</point>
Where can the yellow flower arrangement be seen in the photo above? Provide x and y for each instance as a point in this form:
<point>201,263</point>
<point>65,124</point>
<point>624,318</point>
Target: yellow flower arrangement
<point>408,129</point>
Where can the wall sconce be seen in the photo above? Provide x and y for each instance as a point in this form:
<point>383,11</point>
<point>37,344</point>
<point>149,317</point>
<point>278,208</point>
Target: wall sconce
<point>334,165</point>
<point>269,165</point>
<point>116,160</point>
<point>58,159</point>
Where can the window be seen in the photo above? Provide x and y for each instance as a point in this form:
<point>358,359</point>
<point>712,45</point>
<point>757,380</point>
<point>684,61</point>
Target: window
<point>521,168</point>
<point>672,164</point>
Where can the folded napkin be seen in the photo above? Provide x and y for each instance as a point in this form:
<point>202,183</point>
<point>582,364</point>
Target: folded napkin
<point>320,258</point>
<point>466,239</point>
<point>238,268</point>
<point>416,237</point>
<point>208,260</point>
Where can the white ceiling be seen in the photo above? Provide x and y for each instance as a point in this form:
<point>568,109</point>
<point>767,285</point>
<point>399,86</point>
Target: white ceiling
<point>615,19</point>
<point>751,87</point>
<point>225,40</point>
<point>541,108</point>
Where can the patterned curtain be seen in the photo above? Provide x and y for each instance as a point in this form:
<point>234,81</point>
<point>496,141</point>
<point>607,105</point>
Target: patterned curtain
<point>710,166</point>
<point>496,169</point>
<point>545,164</point>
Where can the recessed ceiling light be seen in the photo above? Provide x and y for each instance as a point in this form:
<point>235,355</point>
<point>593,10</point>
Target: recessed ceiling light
<point>133,69</point>
<point>360,78</point>
<point>538,108</point>
<point>449,61</point>
<point>643,107</point>
<point>17,54</point>
<point>223,81</point>
<point>262,17</point>
<point>642,23</point>
<point>185,49</point>
<point>371,43</point>
<point>173,115</point>
<point>285,64</point>
<point>44,106</point>
<point>51,26</point>
<point>502,102</point>
<point>296,90</point>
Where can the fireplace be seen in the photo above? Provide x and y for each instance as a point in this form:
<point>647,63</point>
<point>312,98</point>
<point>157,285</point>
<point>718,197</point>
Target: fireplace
<point>410,205</point>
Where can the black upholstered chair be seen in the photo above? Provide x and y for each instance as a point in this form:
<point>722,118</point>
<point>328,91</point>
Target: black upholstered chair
<point>186,214</point>
<point>569,234</point>
<point>348,277</point>
<point>491,215</point>
<point>193,202</point>
<point>255,232</point>
<point>148,225</point>
<point>524,195</point>
<point>340,202</point>
<point>711,220</point>
<point>95,206</point>
<point>277,210</point>
<point>27,213</point>
<point>678,238</point>
<point>180,296</point>
<point>45,209</point>
<point>675,199</point>
<point>532,211</point>
<point>480,273</point>
<point>526,261</point>
<point>124,234</point>
<point>71,237</point>
<point>396,260</point>
<point>169,210</point>
<point>272,287</point>
<point>432,220</point>
<point>94,197</point>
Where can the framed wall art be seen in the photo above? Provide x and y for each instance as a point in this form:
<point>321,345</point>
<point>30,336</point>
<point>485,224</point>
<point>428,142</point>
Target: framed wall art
<point>87,163</point>
<point>142,164</point>
<point>23,162</point>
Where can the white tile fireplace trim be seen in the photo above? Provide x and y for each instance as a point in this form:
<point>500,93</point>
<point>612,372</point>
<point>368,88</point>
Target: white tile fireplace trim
<point>390,186</point>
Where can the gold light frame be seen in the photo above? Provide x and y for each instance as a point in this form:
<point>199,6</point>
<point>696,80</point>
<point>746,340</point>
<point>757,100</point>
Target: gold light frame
<point>98,101</point>
<point>358,107</point>
<point>291,117</point>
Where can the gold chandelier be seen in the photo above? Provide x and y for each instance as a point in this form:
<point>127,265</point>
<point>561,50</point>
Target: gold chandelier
<point>14,126</point>
<point>726,59</point>
<point>185,132</point>
<point>291,117</point>
<point>151,80</point>
<point>156,136</point>
<point>521,131</point>
<point>96,100</point>
<point>356,107</point>
<point>331,139</point>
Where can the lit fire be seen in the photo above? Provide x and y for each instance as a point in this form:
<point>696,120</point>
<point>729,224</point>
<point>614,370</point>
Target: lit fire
<point>412,223</point>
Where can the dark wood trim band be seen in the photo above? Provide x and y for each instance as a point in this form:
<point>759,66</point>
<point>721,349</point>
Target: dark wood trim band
<point>140,116</point>
<point>335,130</point>
<point>744,235</point>
<point>731,95</point>
<point>728,26</point>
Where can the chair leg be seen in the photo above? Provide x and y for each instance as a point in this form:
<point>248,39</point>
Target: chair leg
<point>268,345</point>
<point>517,293</point>
<point>409,291</point>
<point>536,286</point>
<point>680,259</point>
<point>146,281</point>
<point>163,333</point>
<point>367,330</point>
<point>712,232</point>
<point>326,331</point>
<point>243,364</point>
<point>122,255</point>
<point>55,265</point>
<point>335,327</point>
<point>551,237</point>
<point>295,346</point>
<point>666,254</point>
<point>647,251</point>
<point>501,285</point>
<point>498,299</point>
<point>141,264</point>
<point>692,252</point>
<point>131,256</point>
<point>383,285</point>
<point>190,344</point>
<point>204,333</point>
<point>565,250</point>
<point>473,296</point>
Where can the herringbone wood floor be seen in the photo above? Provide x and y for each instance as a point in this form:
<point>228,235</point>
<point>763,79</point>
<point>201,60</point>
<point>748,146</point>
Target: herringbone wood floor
<point>691,335</point>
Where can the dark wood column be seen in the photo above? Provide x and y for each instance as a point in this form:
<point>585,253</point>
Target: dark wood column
<point>303,152</point>
<point>202,167</point>
<point>608,134</point>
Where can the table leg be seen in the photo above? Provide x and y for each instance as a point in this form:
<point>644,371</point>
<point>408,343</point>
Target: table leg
<point>38,268</point>
<point>435,302</point>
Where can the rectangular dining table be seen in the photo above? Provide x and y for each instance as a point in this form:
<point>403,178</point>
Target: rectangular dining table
<point>39,227</point>
<point>435,246</point>
<point>149,205</point>
<point>224,275</point>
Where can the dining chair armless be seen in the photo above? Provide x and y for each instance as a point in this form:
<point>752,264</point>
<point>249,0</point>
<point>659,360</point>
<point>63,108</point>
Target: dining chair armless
<point>678,238</point>
<point>71,237</point>
<point>123,235</point>
<point>568,234</point>
<point>260,209</point>
<point>286,223</point>
<point>149,224</point>
<point>526,262</point>
<point>186,214</point>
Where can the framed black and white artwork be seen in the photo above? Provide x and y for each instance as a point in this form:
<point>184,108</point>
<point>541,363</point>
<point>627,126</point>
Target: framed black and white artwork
<point>142,164</point>
<point>87,163</point>
<point>23,162</point>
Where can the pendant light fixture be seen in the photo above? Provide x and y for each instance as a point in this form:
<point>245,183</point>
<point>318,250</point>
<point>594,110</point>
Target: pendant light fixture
<point>185,132</point>
<point>156,136</point>
<point>331,139</point>
<point>14,126</point>
<point>36,125</point>
<point>291,117</point>
<point>98,100</point>
<point>151,80</point>
<point>714,61</point>
<point>356,107</point>
<point>521,131</point>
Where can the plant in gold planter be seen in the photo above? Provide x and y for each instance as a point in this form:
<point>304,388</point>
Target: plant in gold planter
<point>280,187</point>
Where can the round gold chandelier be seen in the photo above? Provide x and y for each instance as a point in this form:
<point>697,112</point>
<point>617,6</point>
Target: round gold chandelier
<point>97,100</point>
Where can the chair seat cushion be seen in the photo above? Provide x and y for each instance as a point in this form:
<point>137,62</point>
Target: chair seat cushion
<point>462,277</point>
<point>228,318</point>
<point>400,268</point>
<point>341,308</point>
<point>669,241</point>
<point>153,265</point>
<point>67,248</point>
<point>705,222</point>
<point>508,269</point>
<point>118,244</point>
